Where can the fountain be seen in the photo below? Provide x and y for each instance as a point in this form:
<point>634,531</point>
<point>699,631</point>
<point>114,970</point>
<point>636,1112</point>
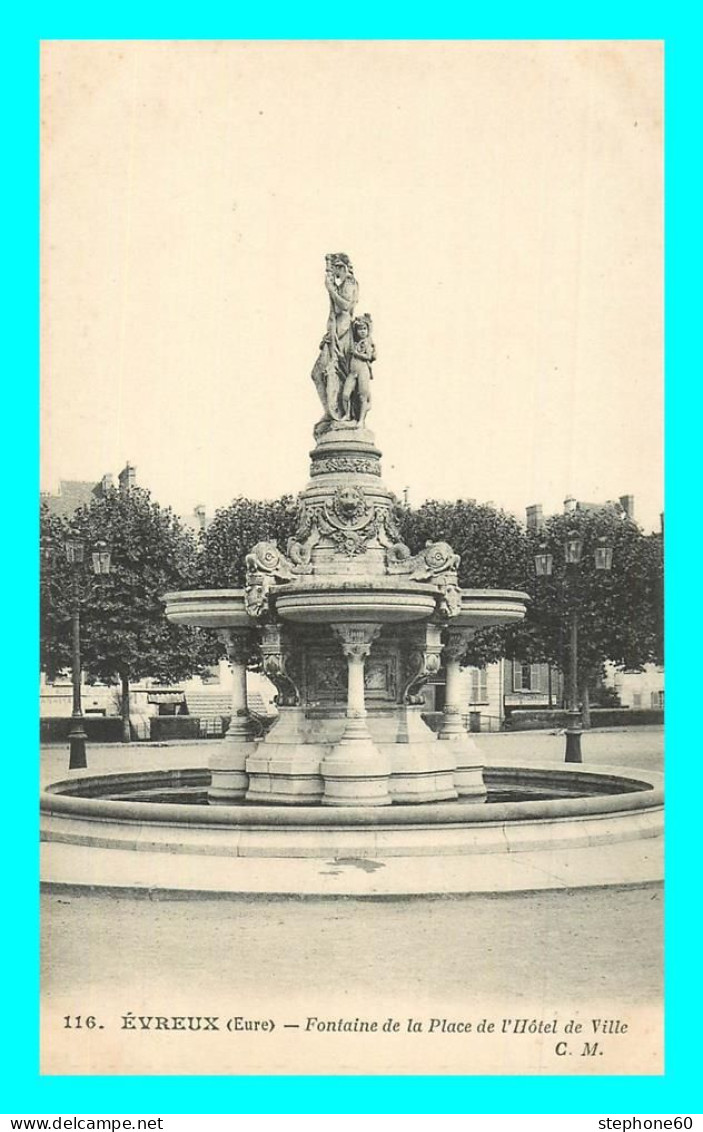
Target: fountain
<point>349,623</point>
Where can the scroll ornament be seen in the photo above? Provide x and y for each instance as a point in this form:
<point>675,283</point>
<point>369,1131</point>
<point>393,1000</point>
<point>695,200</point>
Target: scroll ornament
<point>279,665</point>
<point>265,564</point>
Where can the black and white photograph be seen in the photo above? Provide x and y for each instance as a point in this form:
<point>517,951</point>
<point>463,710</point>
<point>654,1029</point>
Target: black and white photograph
<point>352,525</point>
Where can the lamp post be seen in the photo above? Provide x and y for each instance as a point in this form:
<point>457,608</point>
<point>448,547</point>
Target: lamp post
<point>544,562</point>
<point>100,561</point>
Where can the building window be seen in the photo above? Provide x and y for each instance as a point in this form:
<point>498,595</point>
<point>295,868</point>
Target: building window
<point>531,678</point>
<point>658,700</point>
<point>636,699</point>
<point>522,677</point>
<point>478,691</point>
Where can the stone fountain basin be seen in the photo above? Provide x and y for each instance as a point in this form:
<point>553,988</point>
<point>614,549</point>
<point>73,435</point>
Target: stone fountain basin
<point>208,609</point>
<point>379,600</point>
<point>482,608</point>
<point>609,805</point>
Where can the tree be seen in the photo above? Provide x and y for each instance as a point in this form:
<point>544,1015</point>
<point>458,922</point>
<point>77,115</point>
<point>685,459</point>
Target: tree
<point>235,530</point>
<point>493,549</point>
<point>619,611</point>
<point>54,594</point>
<point>124,633</point>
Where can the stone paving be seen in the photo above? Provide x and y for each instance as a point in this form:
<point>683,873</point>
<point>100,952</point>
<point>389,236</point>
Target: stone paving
<point>632,747</point>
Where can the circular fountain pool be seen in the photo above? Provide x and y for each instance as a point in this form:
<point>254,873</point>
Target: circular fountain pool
<point>527,808</point>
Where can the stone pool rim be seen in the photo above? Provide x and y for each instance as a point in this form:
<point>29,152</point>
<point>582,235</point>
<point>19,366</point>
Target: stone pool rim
<point>60,799</point>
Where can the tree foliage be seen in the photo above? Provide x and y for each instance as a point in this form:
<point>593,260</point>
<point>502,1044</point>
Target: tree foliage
<point>124,633</point>
<point>491,544</point>
<point>619,611</point>
<point>54,595</point>
<point>234,530</point>
<point>493,550</point>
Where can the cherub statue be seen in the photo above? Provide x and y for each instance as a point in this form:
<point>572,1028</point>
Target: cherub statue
<point>356,392</point>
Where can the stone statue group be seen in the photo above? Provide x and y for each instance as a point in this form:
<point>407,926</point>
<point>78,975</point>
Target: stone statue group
<point>342,372</point>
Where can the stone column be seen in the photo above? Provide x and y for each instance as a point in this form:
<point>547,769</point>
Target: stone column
<point>228,762</point>
<point>355,772</point>
<point>468,776</point>
<point>238,644</point>
<point>454,649</point>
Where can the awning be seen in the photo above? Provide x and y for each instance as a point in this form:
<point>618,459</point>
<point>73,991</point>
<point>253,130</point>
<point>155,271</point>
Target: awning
<point>166,697</point>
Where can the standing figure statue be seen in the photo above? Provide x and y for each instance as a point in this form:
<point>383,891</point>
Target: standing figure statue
<point>332,365</point>
<point>356,393</point>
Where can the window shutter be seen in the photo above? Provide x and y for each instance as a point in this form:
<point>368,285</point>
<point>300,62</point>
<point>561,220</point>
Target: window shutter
<point>482,686</point>
<point>473,686</point>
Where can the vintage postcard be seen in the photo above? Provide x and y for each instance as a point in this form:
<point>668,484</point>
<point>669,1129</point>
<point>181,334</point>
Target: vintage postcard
<point>352,681</point>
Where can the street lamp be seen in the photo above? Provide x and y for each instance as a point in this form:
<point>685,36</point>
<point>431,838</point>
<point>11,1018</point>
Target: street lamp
<point>75,555</point>
<point>603,560</point>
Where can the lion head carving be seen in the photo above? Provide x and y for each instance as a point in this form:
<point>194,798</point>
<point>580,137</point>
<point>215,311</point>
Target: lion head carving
<point>349,504</point>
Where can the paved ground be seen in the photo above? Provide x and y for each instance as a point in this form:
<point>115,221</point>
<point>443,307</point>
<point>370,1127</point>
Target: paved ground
<point>633,747</point>
<point>575,945</point>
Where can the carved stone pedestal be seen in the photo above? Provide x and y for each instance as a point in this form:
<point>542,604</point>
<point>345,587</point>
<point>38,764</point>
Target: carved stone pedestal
<point>229,778</point>
<point>422,770</point>
<point>285,768</point>
<point>356,772</point>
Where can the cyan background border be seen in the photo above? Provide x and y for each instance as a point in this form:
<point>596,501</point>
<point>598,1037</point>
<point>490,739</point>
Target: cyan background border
<point>26,1092</point>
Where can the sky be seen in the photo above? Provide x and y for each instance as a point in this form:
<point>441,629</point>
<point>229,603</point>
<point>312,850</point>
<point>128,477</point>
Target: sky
<point>502,206</point>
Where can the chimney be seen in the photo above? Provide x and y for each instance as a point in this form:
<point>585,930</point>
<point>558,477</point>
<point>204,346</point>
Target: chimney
<point>128,477</point>
<point>570,504</point>
<point>627,502</point>
<point>534,517</point>
<point>200,516</point>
